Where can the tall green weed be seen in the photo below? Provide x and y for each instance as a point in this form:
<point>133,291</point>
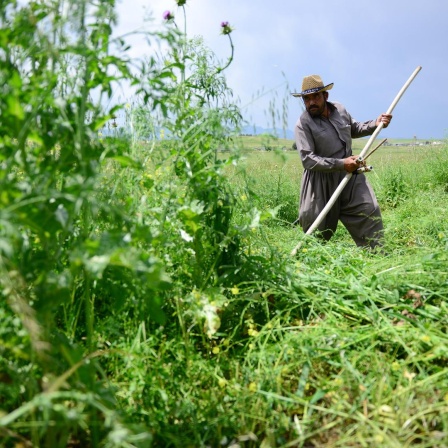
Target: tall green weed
<point>66,249</point>
<point>100,219</point>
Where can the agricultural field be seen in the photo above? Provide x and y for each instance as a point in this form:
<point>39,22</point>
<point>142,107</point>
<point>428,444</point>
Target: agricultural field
<point>150,298</point>
<point>269,142</point>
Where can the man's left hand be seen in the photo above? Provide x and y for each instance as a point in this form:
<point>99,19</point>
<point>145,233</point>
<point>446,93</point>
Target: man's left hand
<point>385,119</point>
<point>351,164</point>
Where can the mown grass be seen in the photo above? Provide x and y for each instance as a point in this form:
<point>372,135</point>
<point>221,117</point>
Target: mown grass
<point>335,347</point>
<point>365,365</point>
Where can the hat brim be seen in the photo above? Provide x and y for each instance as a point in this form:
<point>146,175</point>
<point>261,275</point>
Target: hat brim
<point>314,90</point>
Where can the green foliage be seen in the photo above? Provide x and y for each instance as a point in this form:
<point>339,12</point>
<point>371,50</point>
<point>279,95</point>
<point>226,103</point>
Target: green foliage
<point>89,225</point>
<point>439,169</point>
<point>148,296</point>
<point>274,185</point>
<point>394,189</point>
<point>62,238</point>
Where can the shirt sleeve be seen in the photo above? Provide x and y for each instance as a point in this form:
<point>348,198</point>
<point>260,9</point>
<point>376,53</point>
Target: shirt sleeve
<point>310,160</point>
<point>361,129</point>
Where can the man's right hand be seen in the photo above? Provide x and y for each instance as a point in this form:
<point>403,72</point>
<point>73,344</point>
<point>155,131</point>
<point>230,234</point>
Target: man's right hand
<point>351,164</point>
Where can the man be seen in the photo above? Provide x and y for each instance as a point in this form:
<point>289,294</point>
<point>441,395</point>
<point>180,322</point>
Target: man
<point>323,135</point>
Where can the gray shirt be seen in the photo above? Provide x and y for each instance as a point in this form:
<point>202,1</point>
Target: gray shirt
<point>324,142</point>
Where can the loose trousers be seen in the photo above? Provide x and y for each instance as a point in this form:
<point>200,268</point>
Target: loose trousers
<point>357,207</point>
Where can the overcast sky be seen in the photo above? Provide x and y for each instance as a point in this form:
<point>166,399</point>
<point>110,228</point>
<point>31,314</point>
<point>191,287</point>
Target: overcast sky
<point>368,49</point>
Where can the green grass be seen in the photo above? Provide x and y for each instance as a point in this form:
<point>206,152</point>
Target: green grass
<point>149,294</point>
<point>263,142</point>
<point>367,365</point>
<point>256,142</point>
<point>336,347</point>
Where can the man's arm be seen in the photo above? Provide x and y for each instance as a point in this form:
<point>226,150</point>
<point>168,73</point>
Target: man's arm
<point>362,129</point>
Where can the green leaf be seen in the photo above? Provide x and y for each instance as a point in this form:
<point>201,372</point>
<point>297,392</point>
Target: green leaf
<point>303,379</point>
<point>126,161</point>
<point>318,395</point>
<point>15,108</point>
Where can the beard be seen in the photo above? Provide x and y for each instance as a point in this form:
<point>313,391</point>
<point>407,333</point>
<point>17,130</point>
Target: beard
<point>316,111</point>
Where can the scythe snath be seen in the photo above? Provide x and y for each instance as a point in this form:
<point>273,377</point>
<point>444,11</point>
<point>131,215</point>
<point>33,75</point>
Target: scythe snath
<point>347,177</point>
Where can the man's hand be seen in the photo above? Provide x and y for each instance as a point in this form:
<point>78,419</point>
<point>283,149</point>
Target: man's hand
<point>385,119</point>
<point>351,164</point>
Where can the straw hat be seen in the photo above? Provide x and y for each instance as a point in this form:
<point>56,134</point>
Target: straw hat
<point>312,84</point>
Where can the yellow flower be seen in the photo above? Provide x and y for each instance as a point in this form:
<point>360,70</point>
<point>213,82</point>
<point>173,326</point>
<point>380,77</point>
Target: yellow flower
<point>304,250</point>
<point>409,375</point>
<point>425,338</point>
<point>235,290</point>
<point>243,197</point>
<point>395,366</point>
<point>222,382</point>
<point>253,387</point>
<point>215,350</point>
<point>252,332</point>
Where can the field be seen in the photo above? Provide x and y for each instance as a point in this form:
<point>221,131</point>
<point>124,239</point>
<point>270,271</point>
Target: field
<point>362,361</point>
<point>150,298</point>
<point>335,347</point>
<point>271,142</point>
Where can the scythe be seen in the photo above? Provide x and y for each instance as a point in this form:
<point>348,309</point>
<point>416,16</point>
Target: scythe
<point>347,177</point>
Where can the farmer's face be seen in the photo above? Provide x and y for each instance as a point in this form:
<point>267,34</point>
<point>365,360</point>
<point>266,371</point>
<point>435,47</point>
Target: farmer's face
<point>315,103</point>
